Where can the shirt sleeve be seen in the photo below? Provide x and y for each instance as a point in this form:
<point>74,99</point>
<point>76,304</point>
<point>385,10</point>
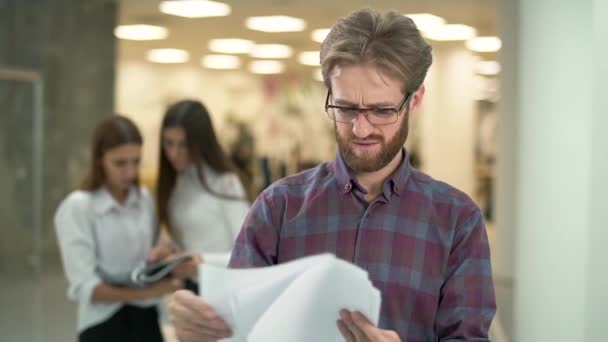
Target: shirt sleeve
<point>467,303</point>
<point>77,246</point>
<point>256,244</point>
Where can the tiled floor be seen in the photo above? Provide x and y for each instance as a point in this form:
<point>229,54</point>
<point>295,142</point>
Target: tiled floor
<point>34,307</point>
<point>503,324</point>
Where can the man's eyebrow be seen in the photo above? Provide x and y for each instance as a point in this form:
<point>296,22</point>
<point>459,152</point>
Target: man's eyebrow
<point>383,104</point>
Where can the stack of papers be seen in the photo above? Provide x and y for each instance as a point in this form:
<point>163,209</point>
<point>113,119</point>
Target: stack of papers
<point>297,301</point>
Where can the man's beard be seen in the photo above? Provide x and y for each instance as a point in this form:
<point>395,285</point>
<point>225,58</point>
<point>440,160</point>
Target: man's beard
<point>370,162</point>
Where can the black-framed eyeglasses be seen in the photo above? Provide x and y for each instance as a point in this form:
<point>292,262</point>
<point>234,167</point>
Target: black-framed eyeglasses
<point>375,116</point>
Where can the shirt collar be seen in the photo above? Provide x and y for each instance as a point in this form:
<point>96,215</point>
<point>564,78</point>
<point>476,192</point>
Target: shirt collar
<point>343,174</point>
<point>104,202</point>
<point>192,171</point>
<point>395,182</point>
<point>400,176</point>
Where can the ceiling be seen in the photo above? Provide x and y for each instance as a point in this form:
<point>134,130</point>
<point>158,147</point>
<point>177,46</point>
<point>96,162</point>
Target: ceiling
<point>194,34</point>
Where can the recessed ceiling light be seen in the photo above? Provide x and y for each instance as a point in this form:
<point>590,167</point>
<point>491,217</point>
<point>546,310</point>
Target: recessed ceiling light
<point>488,68</point>
<point>271,51</point>
<point>319,35</point>
<point>277,23</point>
<point>167,56</point>
<point>194,8</point>
<point>451,32</point>
<point>221,62</point>
<point>266,67</point>
<point>141,32</point>
<point>309,58</point>
<point>484,44</point>
<point>426,22</point>
<point>231,45</point>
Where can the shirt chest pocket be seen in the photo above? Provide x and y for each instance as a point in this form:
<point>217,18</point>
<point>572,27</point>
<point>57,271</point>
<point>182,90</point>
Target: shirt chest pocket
<point>414,262</point>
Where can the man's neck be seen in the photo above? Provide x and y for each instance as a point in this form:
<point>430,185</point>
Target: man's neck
<point>372,182</point>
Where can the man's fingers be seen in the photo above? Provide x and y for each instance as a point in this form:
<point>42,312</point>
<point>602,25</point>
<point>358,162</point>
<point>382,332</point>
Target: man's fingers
<point>358,334</point>
<point>187,309</point>
<point>212,318</point>
<point>200,331</point>
<point>363,324</point>
<point>183,317</point>
<point>185,336</point>
<point>354,326</point>
<point>186,332</point>
<point>348,336</point>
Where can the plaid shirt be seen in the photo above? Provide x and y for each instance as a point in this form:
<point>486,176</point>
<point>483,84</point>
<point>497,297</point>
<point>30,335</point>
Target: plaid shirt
<point>423,243</point>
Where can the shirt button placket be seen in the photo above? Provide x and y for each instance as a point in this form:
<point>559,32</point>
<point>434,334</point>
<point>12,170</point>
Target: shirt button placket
<point>360,228</point>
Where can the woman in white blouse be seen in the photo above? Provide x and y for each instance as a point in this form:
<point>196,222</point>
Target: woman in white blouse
<point>105,230</point>
<point>200,199</point>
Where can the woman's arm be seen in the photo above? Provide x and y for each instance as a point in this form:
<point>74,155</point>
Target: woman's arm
<point>77,244</point>
<point>74,228</point>
<point>104,292</point>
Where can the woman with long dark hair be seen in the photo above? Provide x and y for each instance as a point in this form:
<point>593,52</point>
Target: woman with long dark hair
<point>106,229</point>
<point>199,196</point>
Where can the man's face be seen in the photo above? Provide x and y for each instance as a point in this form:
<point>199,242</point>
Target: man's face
<point>367,147</point>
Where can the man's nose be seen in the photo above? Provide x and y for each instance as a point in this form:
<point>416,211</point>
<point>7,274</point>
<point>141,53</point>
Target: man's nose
<point>362,128</point>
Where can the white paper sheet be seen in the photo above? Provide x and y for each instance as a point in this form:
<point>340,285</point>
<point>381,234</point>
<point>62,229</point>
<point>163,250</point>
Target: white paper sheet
<point>297,301</point>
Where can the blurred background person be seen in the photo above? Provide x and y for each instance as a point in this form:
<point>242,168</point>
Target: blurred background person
<point>201,200</point>
<point>242,155</point>
<point>105,229</point>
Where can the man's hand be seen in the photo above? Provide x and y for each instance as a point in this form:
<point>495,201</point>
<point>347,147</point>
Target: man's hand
<point>195,320</point>
<point>357,328</point>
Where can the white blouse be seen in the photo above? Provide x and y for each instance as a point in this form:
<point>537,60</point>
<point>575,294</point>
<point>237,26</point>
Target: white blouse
<point>201,221</point>
<point>103,241</point>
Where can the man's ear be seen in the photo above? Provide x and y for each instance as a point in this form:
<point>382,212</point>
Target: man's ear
<point>416,100</point>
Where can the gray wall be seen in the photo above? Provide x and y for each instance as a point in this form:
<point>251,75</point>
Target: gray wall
<point>71,43</point>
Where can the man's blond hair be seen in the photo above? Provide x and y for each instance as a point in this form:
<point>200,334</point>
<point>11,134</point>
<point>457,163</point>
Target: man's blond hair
<point>390,41</point>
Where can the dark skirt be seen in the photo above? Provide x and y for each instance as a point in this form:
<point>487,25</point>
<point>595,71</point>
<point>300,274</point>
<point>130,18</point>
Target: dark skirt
<point>192,286</point>
<point>129,324</point>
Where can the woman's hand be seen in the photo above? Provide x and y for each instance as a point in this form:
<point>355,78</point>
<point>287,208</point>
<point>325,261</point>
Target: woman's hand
<point>163,287</point>
<point>159,252</point>
<point>187,269</point>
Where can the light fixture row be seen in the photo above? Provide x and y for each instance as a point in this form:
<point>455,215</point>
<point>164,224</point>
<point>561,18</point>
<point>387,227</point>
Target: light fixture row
<point>207,8</point>
<point>431,26</point>
<point>221,62</point>
<point>262,52</point>
<point>225,62</point>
